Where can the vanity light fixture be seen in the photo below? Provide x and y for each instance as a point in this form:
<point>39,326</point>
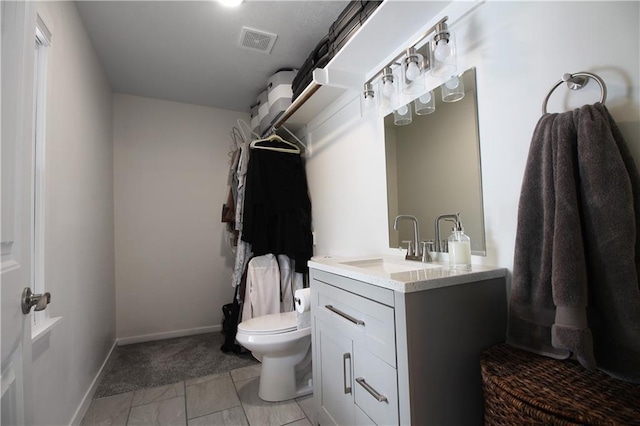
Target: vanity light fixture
<point>413,64</point>
<point>367,100</point>
<point>438,57</point>
<point>443,52</point>
<point>452,89</point>
<point>425,104</point>
<point>413,67</point>
<point>388,88</point>
<point>402,115</point>
<point>388,83</point>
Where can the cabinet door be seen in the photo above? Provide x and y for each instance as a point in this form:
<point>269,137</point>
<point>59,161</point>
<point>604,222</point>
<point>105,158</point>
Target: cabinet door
<point>334,358</point>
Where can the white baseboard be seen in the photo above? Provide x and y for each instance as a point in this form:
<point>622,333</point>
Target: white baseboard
<point>167,335</point>
<point>86,401</point>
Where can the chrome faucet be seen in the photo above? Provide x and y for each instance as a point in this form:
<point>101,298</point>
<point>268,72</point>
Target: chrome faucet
<point>452,217</point>
<point>418,252</point>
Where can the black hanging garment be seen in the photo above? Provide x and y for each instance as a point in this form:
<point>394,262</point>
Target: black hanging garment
<point>277,208</point>
<point>231,316</point>
<point>231,313</point>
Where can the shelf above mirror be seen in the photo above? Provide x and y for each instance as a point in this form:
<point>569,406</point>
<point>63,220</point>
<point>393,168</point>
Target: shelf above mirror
<point>390,28</point>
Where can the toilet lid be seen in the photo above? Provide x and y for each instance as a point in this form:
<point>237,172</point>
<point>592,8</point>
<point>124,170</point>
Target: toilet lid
<point>270,324</point>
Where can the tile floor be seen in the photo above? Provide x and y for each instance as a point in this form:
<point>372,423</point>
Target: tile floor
<point>220,399</point>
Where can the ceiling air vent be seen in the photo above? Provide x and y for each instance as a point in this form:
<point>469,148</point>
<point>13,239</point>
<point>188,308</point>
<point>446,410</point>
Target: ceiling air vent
<point>256,40</point>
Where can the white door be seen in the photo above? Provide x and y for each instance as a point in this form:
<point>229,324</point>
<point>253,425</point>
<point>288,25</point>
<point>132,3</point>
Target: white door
<point>16,72</point>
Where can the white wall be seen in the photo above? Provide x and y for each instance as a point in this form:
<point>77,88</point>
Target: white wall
<point>173,262</point>
<point>520,49</point>
<point>79,248</point>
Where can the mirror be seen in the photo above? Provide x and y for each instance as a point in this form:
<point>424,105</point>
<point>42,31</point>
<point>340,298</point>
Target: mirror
<point>433,168</point>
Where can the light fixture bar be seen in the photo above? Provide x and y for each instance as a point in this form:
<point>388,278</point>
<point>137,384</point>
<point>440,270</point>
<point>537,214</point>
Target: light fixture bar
<point>400,55</point>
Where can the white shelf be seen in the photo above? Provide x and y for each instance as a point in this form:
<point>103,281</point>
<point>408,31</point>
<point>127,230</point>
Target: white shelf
<point>393,26</point>
<point>313,99</point>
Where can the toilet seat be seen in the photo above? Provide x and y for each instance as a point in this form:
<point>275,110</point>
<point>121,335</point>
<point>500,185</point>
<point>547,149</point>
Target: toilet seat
<point>283,322</point>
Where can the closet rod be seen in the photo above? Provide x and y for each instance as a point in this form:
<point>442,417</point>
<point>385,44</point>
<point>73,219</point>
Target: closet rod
<point>296,104</point>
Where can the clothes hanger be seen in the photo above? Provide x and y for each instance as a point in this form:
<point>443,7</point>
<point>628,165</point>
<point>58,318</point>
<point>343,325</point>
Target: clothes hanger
<point>237,137</point>
<point>293,150</point>
<point>242,125</point>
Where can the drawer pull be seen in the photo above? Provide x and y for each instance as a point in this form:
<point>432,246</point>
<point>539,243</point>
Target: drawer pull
<point>343,315</point>
<point>346,357</point>
<point>372,391</point>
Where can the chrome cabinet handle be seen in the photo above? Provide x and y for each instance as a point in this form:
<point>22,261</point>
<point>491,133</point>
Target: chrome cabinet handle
<point>346,357</point>
<point>343,315</point>
<point>29,300</point>
<point>372,391</point>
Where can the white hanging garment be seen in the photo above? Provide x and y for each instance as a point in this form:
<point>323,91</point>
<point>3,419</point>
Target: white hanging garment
<point>271,282</point>
<point>262,293</point>
<point>243,250</point>
<point>241,171</point>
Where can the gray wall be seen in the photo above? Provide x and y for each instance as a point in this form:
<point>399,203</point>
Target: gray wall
<point>173,260</point>
<point>79,248</point>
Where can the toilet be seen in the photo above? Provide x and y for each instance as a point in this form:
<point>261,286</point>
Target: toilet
<point>285,353</point>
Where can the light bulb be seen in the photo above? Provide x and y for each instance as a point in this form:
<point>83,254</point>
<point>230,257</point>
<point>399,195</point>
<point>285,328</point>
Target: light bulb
<point>231,3</point>
<point>426,98</point>
<point>369,102</point>
<point>413,71</point>
<point>442,50</point>
<point>387,88</point>
<point>403,109</point>
<point>452,83</point>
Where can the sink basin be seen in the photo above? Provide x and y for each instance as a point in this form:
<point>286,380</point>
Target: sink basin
<point>390,266</point>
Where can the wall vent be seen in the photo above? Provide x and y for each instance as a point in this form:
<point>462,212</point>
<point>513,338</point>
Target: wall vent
<point>257,40</point>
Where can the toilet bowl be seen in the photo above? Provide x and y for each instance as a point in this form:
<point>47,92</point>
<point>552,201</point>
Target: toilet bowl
<point>285,353</point>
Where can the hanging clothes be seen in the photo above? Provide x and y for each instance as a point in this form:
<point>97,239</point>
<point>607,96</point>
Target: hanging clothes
<point>243,250</point>
<point>262,293</point>
<point>228,215</point>
<point>277,208</point>
<point>269,286</point>
<point>241,178</point>
<point>290,281</point>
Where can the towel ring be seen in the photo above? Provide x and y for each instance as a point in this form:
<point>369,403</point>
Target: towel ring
<point>574,82</point>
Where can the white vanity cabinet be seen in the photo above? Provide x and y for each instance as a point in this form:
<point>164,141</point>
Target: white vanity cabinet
<point>385,356</point>
<point>355,351</point>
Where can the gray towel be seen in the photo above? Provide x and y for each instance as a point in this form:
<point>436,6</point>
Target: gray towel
<point>575,284</point>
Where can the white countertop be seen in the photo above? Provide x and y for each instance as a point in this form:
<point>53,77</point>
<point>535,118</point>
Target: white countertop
<point>437,275</point>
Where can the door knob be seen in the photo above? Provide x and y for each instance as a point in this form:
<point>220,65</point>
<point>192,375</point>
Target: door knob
<point>29,300</point>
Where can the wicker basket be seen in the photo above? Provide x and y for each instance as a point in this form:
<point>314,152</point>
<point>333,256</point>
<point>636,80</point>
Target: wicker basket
<point>524,388</point>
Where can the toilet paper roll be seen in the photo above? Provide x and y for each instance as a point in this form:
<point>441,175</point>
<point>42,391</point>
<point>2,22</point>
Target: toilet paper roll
<point>302,299</point>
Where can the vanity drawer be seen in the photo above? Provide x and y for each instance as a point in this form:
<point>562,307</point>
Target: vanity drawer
<point>370,324</point>
<point>375,386</point>
<point>373,292</point>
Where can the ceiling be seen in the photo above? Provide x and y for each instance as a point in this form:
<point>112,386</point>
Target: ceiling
<point>187,51</point>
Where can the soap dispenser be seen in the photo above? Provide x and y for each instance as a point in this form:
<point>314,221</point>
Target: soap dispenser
<point>459,248</point>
